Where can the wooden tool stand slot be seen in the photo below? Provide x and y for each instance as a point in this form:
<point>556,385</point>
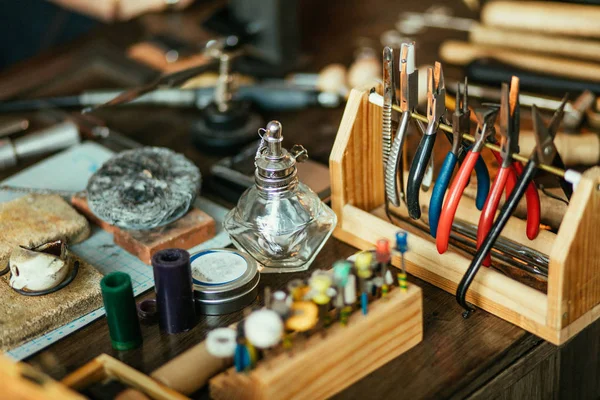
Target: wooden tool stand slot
<point>572,301</point>
<point>328,362</point>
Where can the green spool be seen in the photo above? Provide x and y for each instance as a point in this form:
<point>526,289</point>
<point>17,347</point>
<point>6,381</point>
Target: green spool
<point>121,312</point>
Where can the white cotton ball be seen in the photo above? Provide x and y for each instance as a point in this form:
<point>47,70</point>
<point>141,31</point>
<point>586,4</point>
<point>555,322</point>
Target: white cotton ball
<point>221,342</point>
<point>263,328</point>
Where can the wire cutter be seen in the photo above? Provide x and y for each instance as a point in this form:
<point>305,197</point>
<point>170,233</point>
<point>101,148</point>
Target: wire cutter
<point>436,108</point>
<point>409,81</point>
<point>544,153</point>
<point>509,145</point>
<point>461,123</point>
<point>485,128</point>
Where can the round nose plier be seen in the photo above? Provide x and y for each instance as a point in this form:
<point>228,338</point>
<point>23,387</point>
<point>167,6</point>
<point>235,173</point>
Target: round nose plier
<point>436,108</point>
<point>509,170</point>
<point>485,128</point>
<point>461,123</point>
<point>544,153</point>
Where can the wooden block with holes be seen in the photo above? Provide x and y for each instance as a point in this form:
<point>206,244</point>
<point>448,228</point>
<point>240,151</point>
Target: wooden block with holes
<point>572,299</point>
<point>193,228</point>
<point>326,364</point>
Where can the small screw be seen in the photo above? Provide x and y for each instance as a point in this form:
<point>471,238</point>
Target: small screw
<point>547,150</point>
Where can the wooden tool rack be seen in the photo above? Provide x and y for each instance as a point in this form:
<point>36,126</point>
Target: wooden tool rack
<point>572,301</point>
<point>329,361</point>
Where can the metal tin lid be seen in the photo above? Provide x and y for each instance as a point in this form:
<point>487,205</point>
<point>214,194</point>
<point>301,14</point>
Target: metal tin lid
<point>224,280</point>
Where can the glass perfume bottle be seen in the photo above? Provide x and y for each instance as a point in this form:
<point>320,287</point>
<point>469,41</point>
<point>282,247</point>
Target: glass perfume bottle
<point>279,221</point>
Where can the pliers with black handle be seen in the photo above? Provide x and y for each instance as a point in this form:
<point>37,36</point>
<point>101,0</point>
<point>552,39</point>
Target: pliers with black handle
<point>544,153</point>
<point>436,108</point>
<point>506,178</point>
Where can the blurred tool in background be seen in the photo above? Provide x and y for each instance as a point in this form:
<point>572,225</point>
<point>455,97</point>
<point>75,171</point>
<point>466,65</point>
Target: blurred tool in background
<point>553,47</point>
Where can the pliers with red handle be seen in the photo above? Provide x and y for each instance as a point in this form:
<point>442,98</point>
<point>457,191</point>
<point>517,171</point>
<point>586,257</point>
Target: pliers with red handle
<point>486,126</point>
<point>509,170</point>
<point>545,153</point>
<point>461,123</point>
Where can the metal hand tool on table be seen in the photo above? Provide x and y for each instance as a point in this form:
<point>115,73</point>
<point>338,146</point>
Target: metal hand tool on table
<point>274,94</point>
<point>486,119</point>
<point>213,49</point>
<point>509,169</point>
<point>545,153</point>
<point>461,123</point>
<point>409,81</point>
<point>436,108</point>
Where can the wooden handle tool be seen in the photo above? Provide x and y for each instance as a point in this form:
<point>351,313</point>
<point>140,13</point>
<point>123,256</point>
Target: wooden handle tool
<point>543,16</point>
<point>581,149</point>
<point>463,53</point>
<point>536,42</point>
<point>190,370</point>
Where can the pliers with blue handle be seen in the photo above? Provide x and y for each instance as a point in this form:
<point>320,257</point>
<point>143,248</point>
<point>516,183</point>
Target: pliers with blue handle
<point>545,153</point>
<point>485,128</point>
<point>461,123</point>
<point>436,108</point>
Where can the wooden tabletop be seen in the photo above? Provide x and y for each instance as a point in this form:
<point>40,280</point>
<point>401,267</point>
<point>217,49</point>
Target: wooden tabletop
<point>457,356</point>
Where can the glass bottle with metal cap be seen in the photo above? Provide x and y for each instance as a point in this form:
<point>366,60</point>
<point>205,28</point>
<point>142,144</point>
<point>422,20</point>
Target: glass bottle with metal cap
<point>279,221</point>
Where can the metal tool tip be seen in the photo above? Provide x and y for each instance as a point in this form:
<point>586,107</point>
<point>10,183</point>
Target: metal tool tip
<point>457,107</point>
<point>387,53</point>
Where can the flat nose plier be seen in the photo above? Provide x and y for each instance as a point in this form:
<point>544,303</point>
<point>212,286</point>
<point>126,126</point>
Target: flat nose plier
<point>461,123</point>
<point>509,170</point>
<point>485,128</point>
<point>409,82</point>
<point>436,108</point>
<point>544,153</point>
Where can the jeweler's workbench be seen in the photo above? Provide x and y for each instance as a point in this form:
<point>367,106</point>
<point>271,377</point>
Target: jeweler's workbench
<point>481,357</point>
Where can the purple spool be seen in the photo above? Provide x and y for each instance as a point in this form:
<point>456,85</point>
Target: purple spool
<point>174,292</point>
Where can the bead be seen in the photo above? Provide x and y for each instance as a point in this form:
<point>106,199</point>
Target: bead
<point>221,342</point>
<point>263,328</point>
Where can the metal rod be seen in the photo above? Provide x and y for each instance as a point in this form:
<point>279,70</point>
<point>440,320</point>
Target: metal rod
<point>448,128</point>
<point>464,241</point>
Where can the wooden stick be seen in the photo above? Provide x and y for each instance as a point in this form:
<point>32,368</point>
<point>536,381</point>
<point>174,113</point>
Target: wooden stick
<point>105,366</point>
<point>536,42</point>
<point>543,16</point>
<point>462,53</point>
<point>190,370</point>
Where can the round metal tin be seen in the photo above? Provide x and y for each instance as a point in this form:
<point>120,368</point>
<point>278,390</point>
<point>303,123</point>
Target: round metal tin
<point>224,280</point>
